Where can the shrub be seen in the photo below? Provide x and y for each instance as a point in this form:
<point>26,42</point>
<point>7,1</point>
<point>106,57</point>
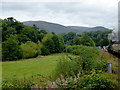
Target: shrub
<point>30,49</point>
<point>91,81</point>
<point>88,58</point>
<point>66,66</point>
<point>14,83</point>
<point>94,80</point>
<point>80,49</point>
<point>45,51</point>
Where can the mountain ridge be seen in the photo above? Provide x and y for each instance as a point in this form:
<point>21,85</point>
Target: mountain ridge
<point>58,28</point>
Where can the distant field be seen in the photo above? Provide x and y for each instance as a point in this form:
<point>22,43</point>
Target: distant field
<point>27,67</point>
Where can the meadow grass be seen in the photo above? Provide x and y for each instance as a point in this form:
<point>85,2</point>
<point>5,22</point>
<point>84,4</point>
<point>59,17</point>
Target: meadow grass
<point>115,66</point>
<point>27,67</point>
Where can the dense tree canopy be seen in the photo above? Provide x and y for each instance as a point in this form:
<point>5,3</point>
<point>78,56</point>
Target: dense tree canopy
<point>98,35</point>
<point>11,50</point>
<point>84,40</point>
<point>18,40</point>
<point>30,40</point>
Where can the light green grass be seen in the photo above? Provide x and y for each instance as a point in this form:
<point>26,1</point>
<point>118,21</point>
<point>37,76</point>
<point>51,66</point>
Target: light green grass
<point>27,67</point>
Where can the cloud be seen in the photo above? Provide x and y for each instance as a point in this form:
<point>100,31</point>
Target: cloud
<point>82,13</point>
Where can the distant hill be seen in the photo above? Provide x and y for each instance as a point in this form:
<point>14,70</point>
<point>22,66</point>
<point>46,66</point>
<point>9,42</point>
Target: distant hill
<point>57,28</point>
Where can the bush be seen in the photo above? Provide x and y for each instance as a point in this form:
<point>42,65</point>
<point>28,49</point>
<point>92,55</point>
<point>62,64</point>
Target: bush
<point>30,49</point>
<point>45,51</point>
<point>79,49</point>
<point>14,83</point>
<point>88,58</point>
<point>96,81</point>
<point>91,81</point>
<point>67,66</point>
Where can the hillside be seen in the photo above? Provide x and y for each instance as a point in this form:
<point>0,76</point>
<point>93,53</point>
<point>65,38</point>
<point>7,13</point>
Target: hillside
<point>49,27</point>
<point>57,28</point>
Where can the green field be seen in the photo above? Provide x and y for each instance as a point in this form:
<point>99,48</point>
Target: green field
<point>28,67</point>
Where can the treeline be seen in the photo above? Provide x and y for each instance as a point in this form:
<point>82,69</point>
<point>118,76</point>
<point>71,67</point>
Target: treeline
<point>92,38</point>
<point>21,41</point>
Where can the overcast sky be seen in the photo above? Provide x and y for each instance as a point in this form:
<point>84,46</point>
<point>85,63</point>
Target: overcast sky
<point>80,13</point>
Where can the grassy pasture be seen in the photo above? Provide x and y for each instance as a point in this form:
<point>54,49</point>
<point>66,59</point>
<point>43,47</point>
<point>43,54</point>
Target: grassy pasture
<point>45,65</point>
<point>28,67</point>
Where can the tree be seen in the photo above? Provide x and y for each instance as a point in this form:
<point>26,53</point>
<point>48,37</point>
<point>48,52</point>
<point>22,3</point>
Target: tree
<point>61,43</point>
<point>40,36</point>
<point>22,38</point>
<point>97,35</point>
<point>77,40</point>
<point>56,43</point>
<point>84,40</point>
<point>48,43</point>
<point>11,49</point>
<point>104,42</point>
<point>87,41</point>
<point>10,18</point>
<point>43,31</point>
<point>30,33</point>
<point>68,37</point>
<point>52,44</point>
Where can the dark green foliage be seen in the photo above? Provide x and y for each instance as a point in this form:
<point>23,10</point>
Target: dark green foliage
<point>52,44</point>
<point>91,38</point>
<point>43,31</point>
<point>48,42</point>
<point>56,43</point>
<point>84,40</point>
<point>61,43</point>
<point>40,36</point>
<point>22,34</point>
<point>104,42</point>
<point>22,38</point>
<point>10,27</point>
<point>31,33</point>
<point>77,40</point>
<point>45,51</point>
<point>87,41</point>
<point>11,50</point>
<point>68,37</point>
<point>97,36</point>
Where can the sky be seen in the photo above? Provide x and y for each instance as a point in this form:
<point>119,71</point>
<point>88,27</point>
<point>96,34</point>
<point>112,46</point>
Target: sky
<point>88,13</point>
